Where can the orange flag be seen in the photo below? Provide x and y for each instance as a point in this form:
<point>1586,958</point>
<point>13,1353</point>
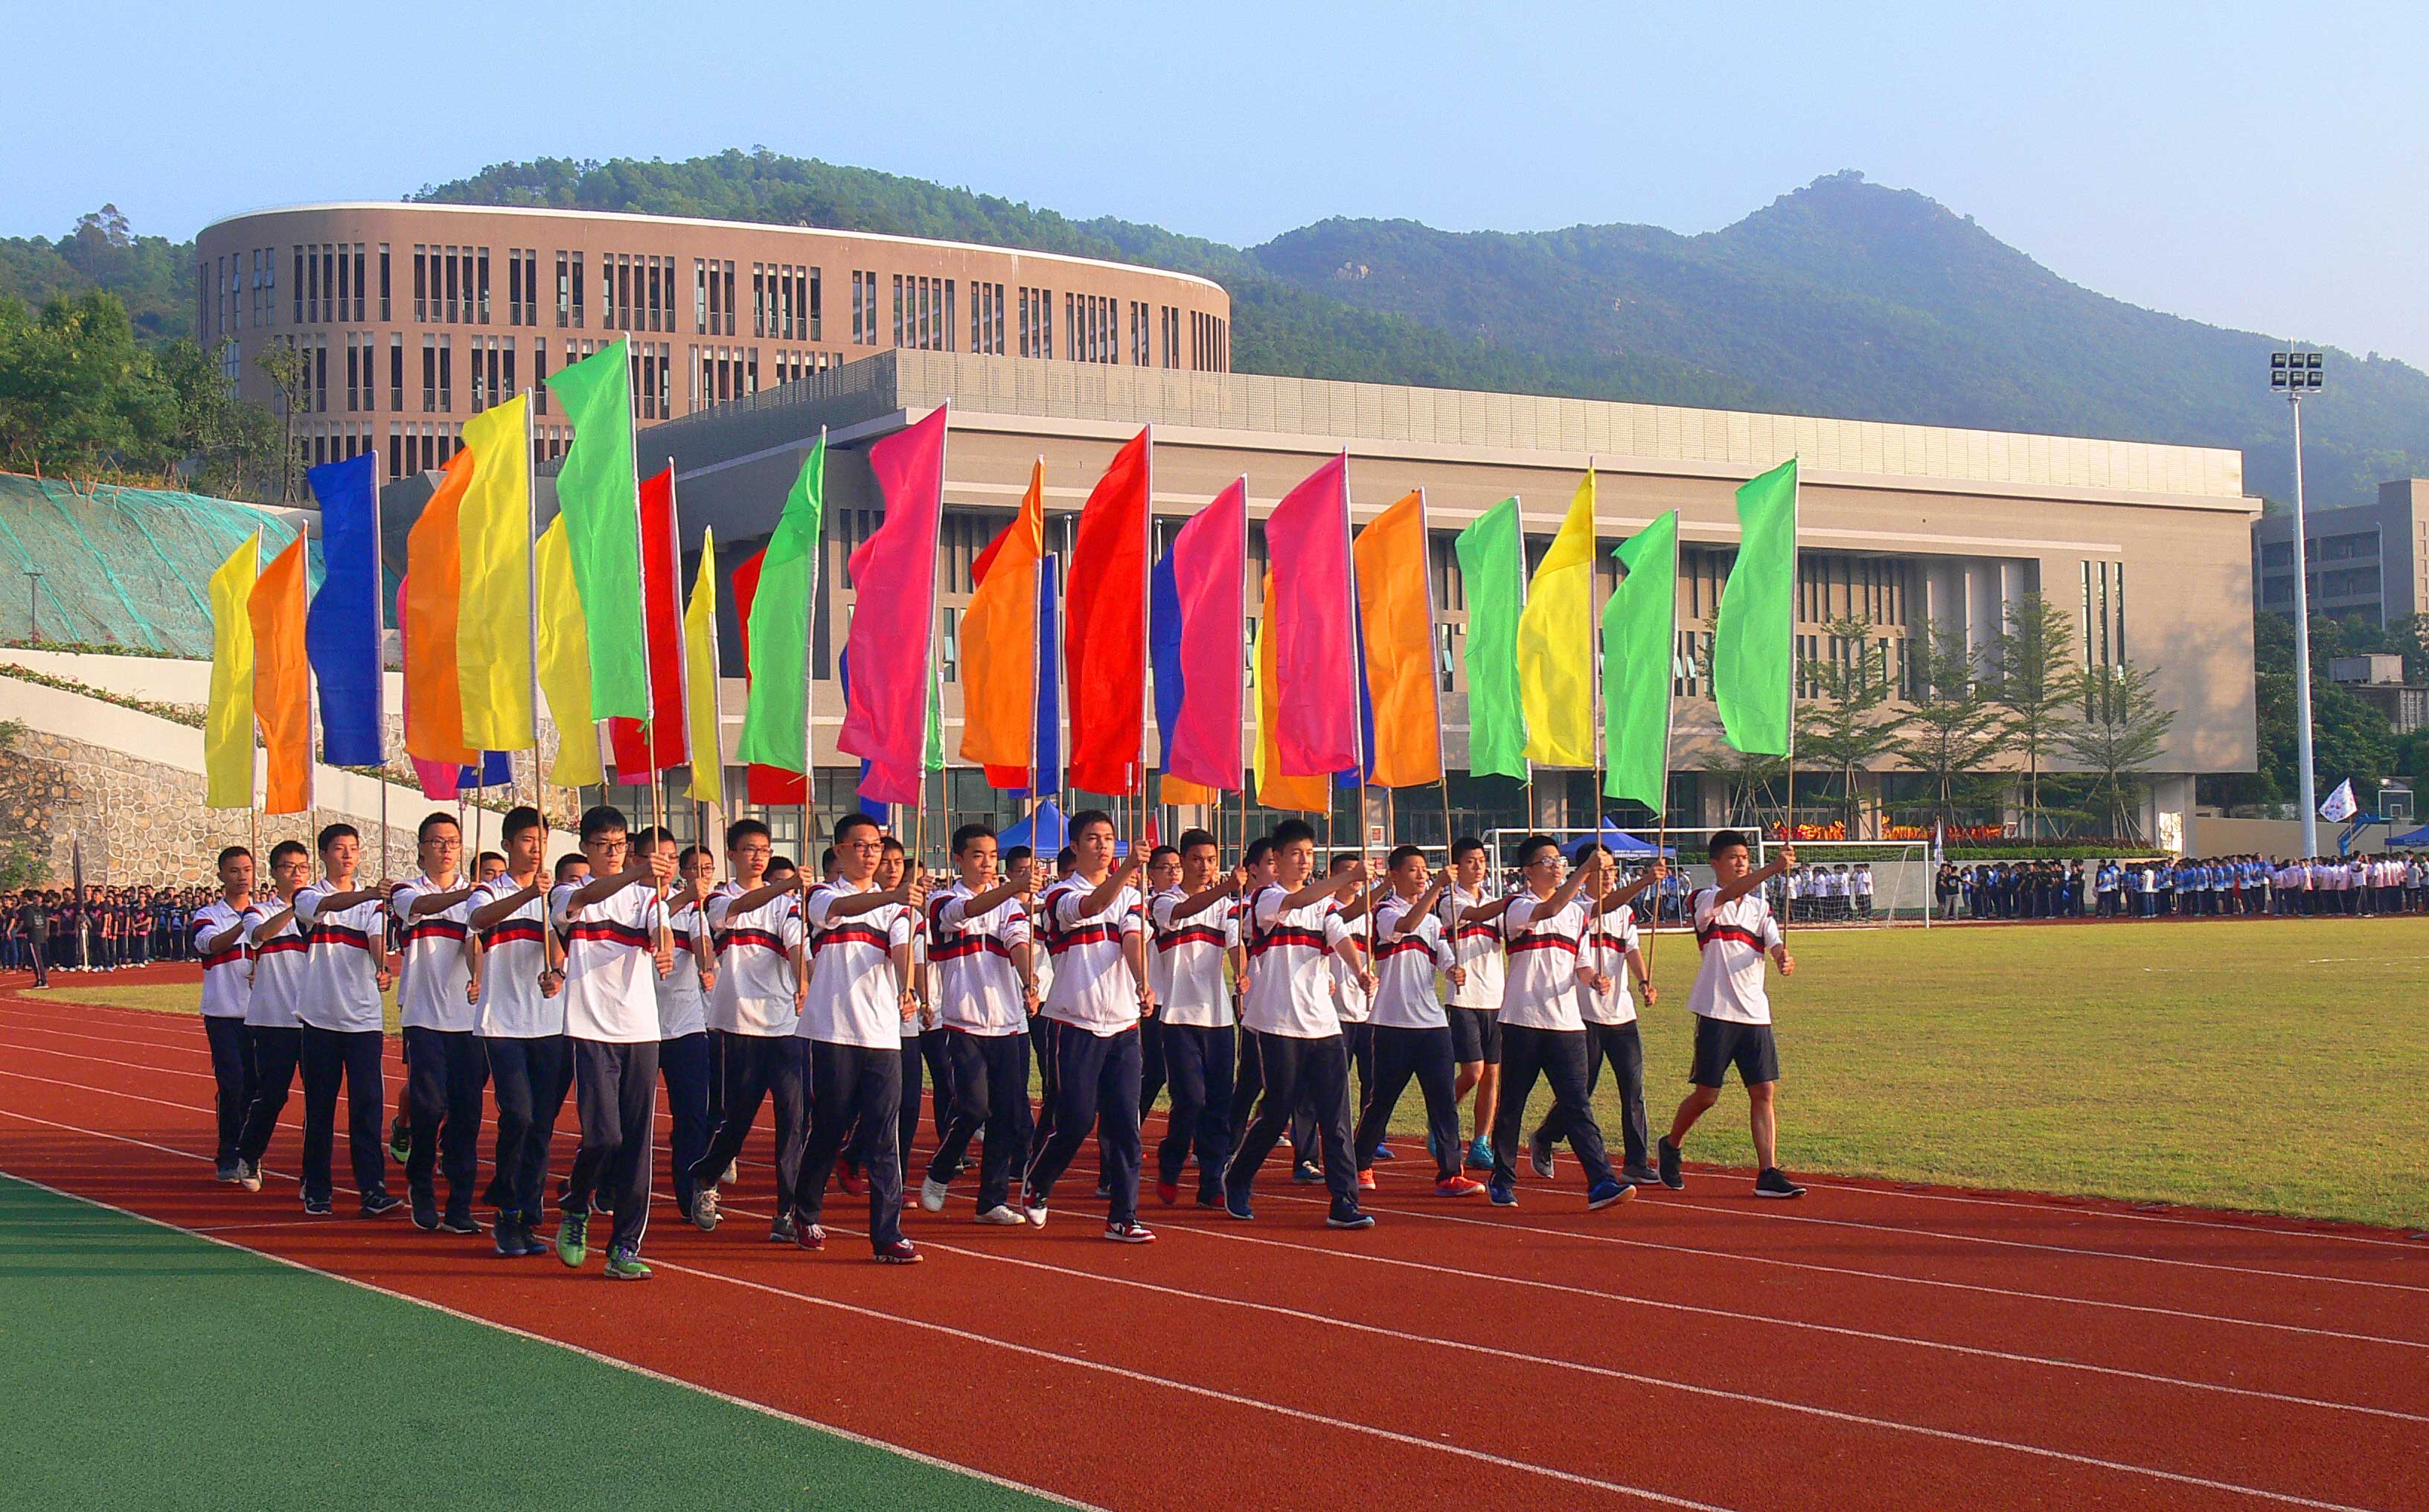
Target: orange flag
<point>1276,790</point>
<point>1395,615</point>
<point>999,640</point>
<point>433,572</point>
<point>282,679</point>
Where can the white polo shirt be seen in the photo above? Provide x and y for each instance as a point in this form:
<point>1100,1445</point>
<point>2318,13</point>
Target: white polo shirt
<point>1186,961</point>
<point>1093,987</point>
<point>975,988</point>
<point>341,978</point>
<point>754,962</point>
<point>227,972</point>
<point>1476,947</point>
<point>1405,967</point>
<point>682,1005</point>
<point>1290,967</point>
<point>1729,978</point>
<point>433,985</point>
<point>855,994</point>
<point>1542,991</point>
<point>279,967</point>
<point>1607,945</point>
<point>513,952</point>
<point>611,971</point>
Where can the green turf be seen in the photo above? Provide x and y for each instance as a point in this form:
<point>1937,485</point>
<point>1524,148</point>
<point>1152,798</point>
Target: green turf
<point>144,1366</point>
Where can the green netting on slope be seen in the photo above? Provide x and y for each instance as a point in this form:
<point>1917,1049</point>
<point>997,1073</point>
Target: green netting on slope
<point>124,566</point>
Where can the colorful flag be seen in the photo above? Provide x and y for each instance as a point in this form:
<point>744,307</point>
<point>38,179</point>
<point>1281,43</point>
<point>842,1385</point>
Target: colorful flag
<point>1493,575</point>
<point>1104,630</point>
<point>1050,679</point>
<point>493,633</point>
<point>1276,790</point>
<point>765,783</point>
<point>894,587</point>
<point>2341,805</point>
<point>1752,632</point>
<point>775,613</point>
<point>1640,635</point>
<point>700,681</point>
<point>637,754</point>
<point>565,661</point>
<point>282,682</point>
<point>342,631</point>
<point>999,640</point>
<point>1395,611</point>
<point>227,726</point>
<point>439,781</point>
<point>1315,639</point>
<point>1555,642</point>
<point>1208,565</point>
<point>596,491</point>
<point>426,619</point>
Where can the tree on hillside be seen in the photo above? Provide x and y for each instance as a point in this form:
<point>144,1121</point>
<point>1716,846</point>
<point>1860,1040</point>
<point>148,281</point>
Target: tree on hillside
<point>2032,683</point>
<point>1844,718</point>
<point>1951,726</point>
<point>283,364</point>
<point>2115,742</point>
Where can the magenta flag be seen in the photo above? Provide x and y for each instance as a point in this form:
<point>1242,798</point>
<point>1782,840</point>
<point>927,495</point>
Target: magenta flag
<point>1315,641</point>
<point>894,583</point>
<point>1210,574</point>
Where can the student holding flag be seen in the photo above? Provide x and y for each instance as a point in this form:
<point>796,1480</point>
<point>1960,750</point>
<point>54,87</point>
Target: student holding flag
<point>345,935</point>
<point>754,922</point>
<point>522,1022</point>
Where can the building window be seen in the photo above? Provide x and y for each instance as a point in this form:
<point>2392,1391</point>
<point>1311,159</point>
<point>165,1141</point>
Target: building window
<point>396,374</point>
<point>383,293</point>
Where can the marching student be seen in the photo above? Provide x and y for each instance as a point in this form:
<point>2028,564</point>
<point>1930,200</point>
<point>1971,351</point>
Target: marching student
<point>1608,962</point>
<point>1197,926</point>
<point>1354,1002</point>
<point>220,928</point>
<point>683,1021</point>
<point>488,867</point>
<point>345,935</point>
<point>763,977</point>
<point>1044,1030</point>
<point>437,1004</point>
<point>1296,935</point>
<point>1734,929</point>
<point>1471,918</point>
<point>521,1018</point>
<point>923,1033</point>
<point>1163,877</point>
<point>979,953</point>
<point>1097,930</point>
<point>860,993</point>
<point>1413,1036</point>
<point>1255,871</point>
<point>273,1031</point>
<point>614,953</point>
<point>1541,1032</point>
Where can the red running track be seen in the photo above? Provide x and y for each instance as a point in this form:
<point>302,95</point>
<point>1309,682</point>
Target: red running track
<point>1870,1346</point>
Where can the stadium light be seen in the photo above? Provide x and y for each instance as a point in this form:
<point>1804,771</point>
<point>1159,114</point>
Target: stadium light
<point>2295,374</point>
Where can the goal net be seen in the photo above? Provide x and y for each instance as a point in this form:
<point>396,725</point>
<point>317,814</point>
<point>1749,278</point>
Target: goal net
<point>1837,884</point>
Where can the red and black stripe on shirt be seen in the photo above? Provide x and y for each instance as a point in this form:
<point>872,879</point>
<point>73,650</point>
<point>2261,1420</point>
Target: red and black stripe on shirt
<point>1277,936</point>
<point>757,939</point>
<point>609,931</point>
<point>1082,935</point>
<point>433,927</point>
<point>970,944</point>
<point>326,934</point>
<point>512,931</point>
<point>1181,934</point>
<point>849,934</point>
<point>1706,935</point>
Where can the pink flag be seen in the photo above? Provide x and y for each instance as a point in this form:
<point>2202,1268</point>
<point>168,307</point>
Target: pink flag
<point>894,583</point>
<point>1315,645</point>
<point>1210,566</point>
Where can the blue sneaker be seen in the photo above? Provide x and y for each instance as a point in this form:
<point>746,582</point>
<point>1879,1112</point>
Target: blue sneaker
<point>1503,1194</point>
<point>1480,1154</point>
<point>1384,1152</point>
<point>1608,1192</point>
<point>1434,1149</point>
<point>1236,1204</point>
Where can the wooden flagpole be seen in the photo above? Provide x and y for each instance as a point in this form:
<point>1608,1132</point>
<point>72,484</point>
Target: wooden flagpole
<point>531,590</point>
<point>1442,763</point>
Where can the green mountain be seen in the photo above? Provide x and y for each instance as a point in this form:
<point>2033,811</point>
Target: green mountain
<point>151,275</point>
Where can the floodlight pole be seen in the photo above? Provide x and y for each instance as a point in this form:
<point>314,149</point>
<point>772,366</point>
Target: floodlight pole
<point>2308,796</point>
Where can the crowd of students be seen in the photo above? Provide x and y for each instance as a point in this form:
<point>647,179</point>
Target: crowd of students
<point>2240,886</point>
<point>100,928</point>
<point>1271,1001</point>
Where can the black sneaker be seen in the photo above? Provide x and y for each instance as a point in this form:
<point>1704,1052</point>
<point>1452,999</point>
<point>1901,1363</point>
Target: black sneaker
<point>458,1220</point>
<point>228,1171</point>
<point>400,1140</point>
<point>780,1231</point>
<point>379,1204</point>
<point>1674,1174</point>
<point>1539,1154</point>
<point>507,1232</point>
<point>1774,1182</point>
<point>425,1213</point>
<point>1641,1175</point>
<point>1307,1174</point>
<point>1348,1215</point>
<point>317,1207</point>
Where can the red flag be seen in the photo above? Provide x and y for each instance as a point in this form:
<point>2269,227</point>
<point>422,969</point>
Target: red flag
<point>661,610</point>
<point>1104,636</point>
<point>894,605</point>
<point>1315,649</point>
<point>768,784</point>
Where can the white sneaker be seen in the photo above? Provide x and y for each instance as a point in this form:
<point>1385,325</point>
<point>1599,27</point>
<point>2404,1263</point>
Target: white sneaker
<point>704,1213</point>
<point>932,1194</point>
<point>1033,1207</point>
<point>1001,1216</point>
<point>732,1174</point>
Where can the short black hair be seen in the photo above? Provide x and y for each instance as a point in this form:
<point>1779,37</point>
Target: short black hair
<point>486,857</point>
<point>781,865</point>
<point>1723,839</point>
<point>565,865</point>
<point>1464,844</point>
<point>889,846</point>
<point>1159,852</point>
<point>741,829</point>
<point>285,848</point>
<point>1192,839</point>
<point>651,837</point>
<point>684,859</point>
<point>1401,853</point>
<point>422,830</point>
<point>1065,859</point>
<point>229,853</point>
<point>521,817</point>
<point>1291,832</point>
<point>1586,848</point>
<point>1087,819</point>
<point>1258,850</point>
<point>970,833</point>
<point>826,859</point>
<point>1017,853</point>
<point>1532,846</point>
<point>1341,859</point>
<point>331,834</point>
<point>851,822</point>
<point>602,819</point>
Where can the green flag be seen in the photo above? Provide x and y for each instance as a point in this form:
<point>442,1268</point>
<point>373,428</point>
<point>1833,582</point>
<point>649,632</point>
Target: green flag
<point>1751,648</point>
<point>1640,635</point>
<point>933,758</point>
<point>775,719</point>
<point>1493,567</point>
<point>599,500</point>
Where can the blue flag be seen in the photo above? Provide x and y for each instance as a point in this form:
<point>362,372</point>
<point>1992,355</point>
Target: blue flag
<point>1050,678</point>
<point>497,770</point>
<point>342,629</point>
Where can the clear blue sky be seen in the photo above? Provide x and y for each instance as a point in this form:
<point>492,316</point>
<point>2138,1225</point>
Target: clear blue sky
<point>2258,166</point>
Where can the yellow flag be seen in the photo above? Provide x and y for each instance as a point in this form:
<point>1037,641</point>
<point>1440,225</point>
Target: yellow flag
<point>700,679</point>
<point>228,727</point>
<point>493,625</point>
<point>1555,643</point>
<point>565,663</point>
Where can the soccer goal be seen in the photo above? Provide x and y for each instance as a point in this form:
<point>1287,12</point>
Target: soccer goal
<point>1837,884</point>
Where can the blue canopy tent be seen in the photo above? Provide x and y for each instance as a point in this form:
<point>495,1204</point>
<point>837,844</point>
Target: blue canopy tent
<point>1045,820</point>
<point>2414,838</point>
<point>1620,843</point>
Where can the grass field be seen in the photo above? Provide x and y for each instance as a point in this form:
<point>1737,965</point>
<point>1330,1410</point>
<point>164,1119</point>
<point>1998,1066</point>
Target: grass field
<point>215,1378</point>
<point>2278,1066</point>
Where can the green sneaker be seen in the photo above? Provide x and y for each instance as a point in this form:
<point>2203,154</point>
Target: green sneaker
<point>400,1141</point>
<point>572,1239</point>
<point>625,1265</point>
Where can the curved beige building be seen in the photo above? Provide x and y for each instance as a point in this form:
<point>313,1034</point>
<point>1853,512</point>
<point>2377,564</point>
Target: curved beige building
<point>413,318</point>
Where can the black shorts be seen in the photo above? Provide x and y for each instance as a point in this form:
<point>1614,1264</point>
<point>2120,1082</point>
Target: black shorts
<point>1720,1044</point>
<point>1475,1035</point>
